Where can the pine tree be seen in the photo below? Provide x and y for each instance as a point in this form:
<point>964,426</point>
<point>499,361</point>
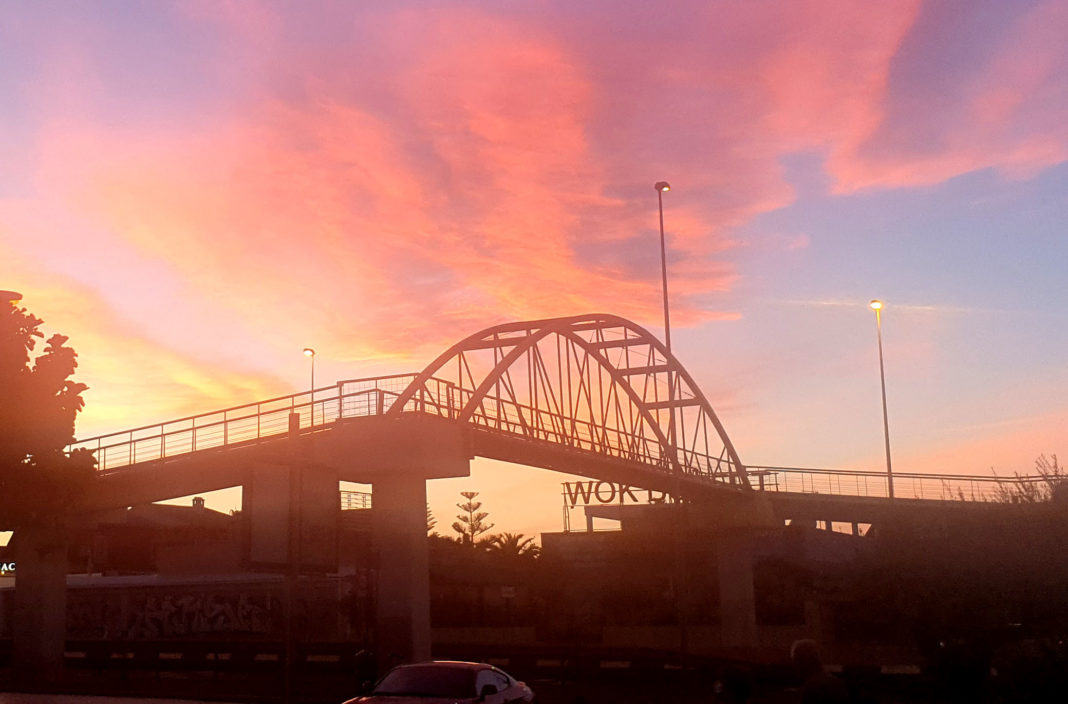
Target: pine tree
<point>431,522</point>
<point>471,523</point>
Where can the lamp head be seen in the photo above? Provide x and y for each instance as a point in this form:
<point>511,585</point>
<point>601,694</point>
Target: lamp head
<point>662,186</point>
<point>10,296</point>
<point>876,304</point>
<point>309,352</point>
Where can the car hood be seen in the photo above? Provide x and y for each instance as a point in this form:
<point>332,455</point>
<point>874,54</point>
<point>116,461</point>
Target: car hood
<point>406,700</point>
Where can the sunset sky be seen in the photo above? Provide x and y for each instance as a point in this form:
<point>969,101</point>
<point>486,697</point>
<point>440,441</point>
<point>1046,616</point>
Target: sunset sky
<point>195,191</point>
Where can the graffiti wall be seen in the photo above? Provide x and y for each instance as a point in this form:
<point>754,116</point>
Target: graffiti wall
<point>324,609</point>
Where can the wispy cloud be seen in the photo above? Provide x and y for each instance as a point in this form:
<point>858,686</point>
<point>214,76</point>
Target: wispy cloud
<point>381,180</point>
<point>890,305</point>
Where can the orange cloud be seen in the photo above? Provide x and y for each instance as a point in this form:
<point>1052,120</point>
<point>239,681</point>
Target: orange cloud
<point>1006,447</point>
<point>387,235</point>
<point>132,379</point>
<point>380,182</point>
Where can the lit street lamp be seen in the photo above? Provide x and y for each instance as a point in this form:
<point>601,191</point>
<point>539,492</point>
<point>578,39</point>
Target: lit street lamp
<point>309,352</point>
<point>877,306</point>
<point>12,297</point>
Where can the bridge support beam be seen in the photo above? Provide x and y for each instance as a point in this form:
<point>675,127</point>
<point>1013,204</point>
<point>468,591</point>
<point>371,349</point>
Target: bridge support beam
<point>735,523</point>
<point>40,618</point>
<point>737,598</point>
<point>278,498</point>
<point>403,595</point>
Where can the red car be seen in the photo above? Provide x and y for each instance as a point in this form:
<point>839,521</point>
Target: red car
<point>445,682</point>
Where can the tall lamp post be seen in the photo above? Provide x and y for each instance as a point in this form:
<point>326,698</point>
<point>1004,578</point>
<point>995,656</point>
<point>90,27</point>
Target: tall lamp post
<point>661,188</point>
<point>309,352</point>
<point>877,306</point>
<point>680,615</point>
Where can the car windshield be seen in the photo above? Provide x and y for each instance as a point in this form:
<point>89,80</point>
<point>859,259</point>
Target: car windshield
<point>428,681</point>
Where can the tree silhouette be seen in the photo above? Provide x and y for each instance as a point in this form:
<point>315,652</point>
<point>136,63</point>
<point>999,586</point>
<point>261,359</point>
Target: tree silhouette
<point>513,545</point>
<point>38,405</point>
<point>470,523</point>
<point>1054,479</point>
<point>431,522</point>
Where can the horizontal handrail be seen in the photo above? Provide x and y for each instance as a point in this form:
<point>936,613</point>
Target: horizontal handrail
<point>252,422</point>
<point>882,473</point>
<point>523,420</point>
<point>868,483</point>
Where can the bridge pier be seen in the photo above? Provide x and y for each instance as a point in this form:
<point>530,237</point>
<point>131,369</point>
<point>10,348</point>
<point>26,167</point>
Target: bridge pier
<point>40,618</point>
<point>403,594</point>
<point>280,498</point>
<point>737,597</point>
<point>397,456</point>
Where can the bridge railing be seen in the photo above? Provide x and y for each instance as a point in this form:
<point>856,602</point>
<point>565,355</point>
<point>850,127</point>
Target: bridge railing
<point>436,397</point>
<point>942,487</point>
<point>353,398</point>
<point>356,500</point>
<point>248,423</point>
<point>508,416</point>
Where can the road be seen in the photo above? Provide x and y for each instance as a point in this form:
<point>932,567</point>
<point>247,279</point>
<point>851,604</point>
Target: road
<point>17,698</point>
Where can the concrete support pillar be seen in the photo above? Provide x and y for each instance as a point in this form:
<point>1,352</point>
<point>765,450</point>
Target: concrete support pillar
<point>737,600</point>
<point>402,631</point>
<point>40,618</point>
<point>267,504</point>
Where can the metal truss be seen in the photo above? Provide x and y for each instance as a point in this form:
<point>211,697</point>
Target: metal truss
<point>596,382</point>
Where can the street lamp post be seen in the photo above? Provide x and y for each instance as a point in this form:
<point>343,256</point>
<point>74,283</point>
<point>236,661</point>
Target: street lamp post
<point>680,614</point>
<point>661,187</point>
<point>309,352</point>
<point>877,306</point>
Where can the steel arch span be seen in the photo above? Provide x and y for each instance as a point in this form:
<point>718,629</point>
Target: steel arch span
<point>597,383</point>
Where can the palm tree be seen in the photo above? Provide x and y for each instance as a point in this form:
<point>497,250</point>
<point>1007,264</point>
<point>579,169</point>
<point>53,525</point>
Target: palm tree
<point>513,545</point>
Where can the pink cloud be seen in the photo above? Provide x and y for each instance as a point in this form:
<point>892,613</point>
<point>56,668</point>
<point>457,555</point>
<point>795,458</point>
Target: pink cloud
<point>1004,109</point>
<point>385,181</point>
<point>321,214</point>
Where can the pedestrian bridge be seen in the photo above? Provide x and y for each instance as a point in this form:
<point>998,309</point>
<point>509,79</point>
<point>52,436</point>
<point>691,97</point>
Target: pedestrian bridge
<point>594,395</point>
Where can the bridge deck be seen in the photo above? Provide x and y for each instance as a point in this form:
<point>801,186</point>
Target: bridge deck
<point>582,449</point>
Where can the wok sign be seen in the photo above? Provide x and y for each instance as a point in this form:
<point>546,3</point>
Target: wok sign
<point>587,493</point>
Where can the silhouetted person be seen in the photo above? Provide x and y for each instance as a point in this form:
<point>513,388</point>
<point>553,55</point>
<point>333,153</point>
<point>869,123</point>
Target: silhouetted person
<point>817,685</point>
